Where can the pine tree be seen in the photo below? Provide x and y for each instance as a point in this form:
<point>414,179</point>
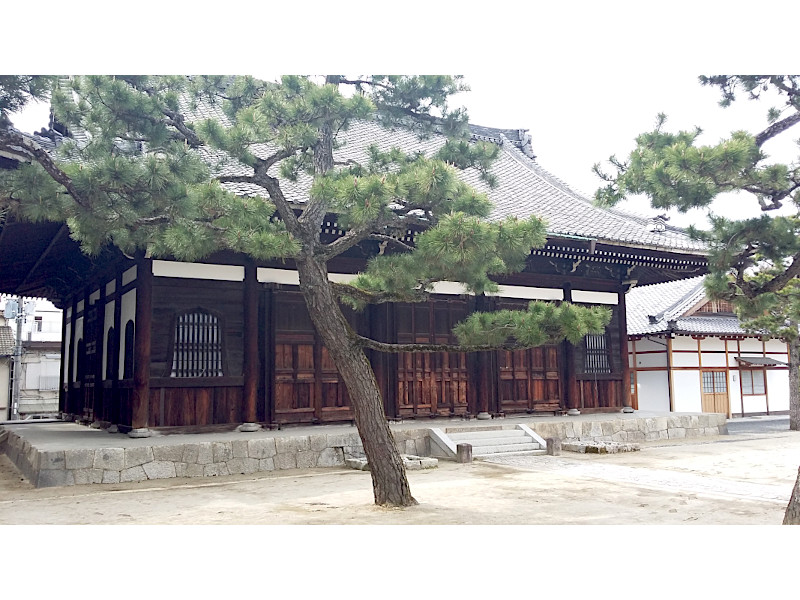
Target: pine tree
<point>755,262</point>
<point>145,178</point>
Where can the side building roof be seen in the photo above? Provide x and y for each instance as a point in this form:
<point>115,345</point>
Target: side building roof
<point>662,307</point>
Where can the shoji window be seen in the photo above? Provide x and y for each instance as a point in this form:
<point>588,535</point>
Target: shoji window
<point>197,350</point>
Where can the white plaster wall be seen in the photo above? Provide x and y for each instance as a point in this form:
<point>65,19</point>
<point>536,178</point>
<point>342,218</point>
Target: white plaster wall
<point>684,342</point>
<point>734,392</point>
<point>108,324</point>
<point>776,346</point>
<point>685,359</point>
<point>651,360</point>
<point>751,346</point>
<point>127,313</point>
<point>652,390</point>
<point>687,391</point>
<point>714,359</point>
<point>712,344</point>
<point>778,389</point>
<point>78,338</point>
<point>646,345</point>
<point>755,404</point>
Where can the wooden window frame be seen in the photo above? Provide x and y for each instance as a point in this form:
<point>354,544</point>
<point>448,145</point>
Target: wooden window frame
<point>215,345</point>
<point>752,387</point>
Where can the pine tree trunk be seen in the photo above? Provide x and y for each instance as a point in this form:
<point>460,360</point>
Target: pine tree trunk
<point>794,384</point>
<point>389,481</point>
<point>792,516</point>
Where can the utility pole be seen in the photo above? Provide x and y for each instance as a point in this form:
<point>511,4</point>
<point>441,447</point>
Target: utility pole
<point>17,362</point>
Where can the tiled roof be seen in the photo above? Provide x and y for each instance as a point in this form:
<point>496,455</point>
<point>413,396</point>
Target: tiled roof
<point>667,302</point>
<point>6,340</point>
<point>524,188</point>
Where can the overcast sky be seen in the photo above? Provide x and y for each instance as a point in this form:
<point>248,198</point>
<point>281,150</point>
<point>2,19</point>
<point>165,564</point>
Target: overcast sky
<point>583,78</point>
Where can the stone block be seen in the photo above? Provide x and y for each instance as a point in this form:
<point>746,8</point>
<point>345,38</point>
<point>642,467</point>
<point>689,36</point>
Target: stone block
<point>87,476</point>
<point>553,446</point>
<point>138,456</point>
<point>428,463</point>
<point>338,440</point>
<point>239,448</point>
<point>79,458</point>
<point>194,470</point>
<point>55,477</point>
<point>676,433</point>
<point>595,429</point>
<point>110,476</point>
<point>636,436</point>
<point>285,461</point>
<point>109,459</point>
<point>331,457</point>
<point>660,423</point>
<point>215,469</point>
<point>266,464</point>
<point>650,436</point>
<point>692,432</point>
<point>662,434</point>
<point>242,466</point>
<point>674,421</point>
<point>620,436</point>
<point>710,431</point>
<point>631,425</point>
<point>359,464</point>
<point>170,453</point>
<point>608,428</point>
<point>464,453</point>
<point>191,452</point>
<point>318,443</point>
<point>180,469</point>
<point>223,451</point>
<point>205,453</point>
<point>263,448</point>
<point>132,474</point>
<point>291,445</point>
<point>52,460</point>
<point>160,469</point>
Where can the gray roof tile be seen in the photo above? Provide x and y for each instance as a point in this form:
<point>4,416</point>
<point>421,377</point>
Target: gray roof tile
<point>6,340</point>
<point>669,301</point>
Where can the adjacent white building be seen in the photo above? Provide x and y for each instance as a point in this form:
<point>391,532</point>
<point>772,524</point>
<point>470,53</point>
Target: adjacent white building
<point>689,354</point>
<point>41,359</point>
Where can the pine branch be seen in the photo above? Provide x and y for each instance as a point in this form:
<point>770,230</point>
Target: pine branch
<point>777,128</point>
<point>343,289</point>
<point>365,342</point>
<point>10,138</point>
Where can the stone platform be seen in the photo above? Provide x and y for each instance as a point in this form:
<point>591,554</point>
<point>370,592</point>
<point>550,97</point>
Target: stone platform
<point>64,453</point>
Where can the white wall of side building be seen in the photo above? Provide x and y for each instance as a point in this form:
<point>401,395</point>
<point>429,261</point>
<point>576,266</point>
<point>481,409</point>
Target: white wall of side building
<point>778,389</point>
<point>652,390</point>
<point>686,385</point>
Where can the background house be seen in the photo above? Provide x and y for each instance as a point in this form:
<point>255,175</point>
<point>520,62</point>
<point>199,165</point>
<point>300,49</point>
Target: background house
<point>41,359</point>
<point>689,354</point>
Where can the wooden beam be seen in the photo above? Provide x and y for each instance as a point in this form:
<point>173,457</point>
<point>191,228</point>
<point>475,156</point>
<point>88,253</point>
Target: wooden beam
<point>42,256</point>
<point>623,347</point>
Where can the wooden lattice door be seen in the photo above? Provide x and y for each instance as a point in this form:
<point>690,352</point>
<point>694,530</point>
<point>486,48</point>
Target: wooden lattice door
<point>430,384</point>
<point>306,385</point>
<point>529,379</point>
<point>715,392</point>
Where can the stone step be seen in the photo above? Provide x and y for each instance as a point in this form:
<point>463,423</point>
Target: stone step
<point>520,453</point>
<point>486,450</point>
<point>494,441</point>
<point>485,434</point>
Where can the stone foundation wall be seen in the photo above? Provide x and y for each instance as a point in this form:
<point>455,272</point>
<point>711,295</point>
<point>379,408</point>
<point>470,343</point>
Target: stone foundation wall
<point>636,429</point>
<point>203,459</point>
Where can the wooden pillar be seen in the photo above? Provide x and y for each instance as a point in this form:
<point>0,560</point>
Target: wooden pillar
<point>671,388</point>
<point>623,345</point>
<point>572,394</point>
<point>140,400</point>
<point>250,395</point>
<point>63,389</point>
<point>70,401</point>
<point>484,375</point>
<point>100,350</point>
<point>119,337</point>
<point>269,356</point>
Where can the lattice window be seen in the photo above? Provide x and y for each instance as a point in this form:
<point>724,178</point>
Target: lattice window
<point>130,336</point>
<point>714,382</point>
<point>597,354</point>
<point>198,346</point>
<point>753,382</point>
